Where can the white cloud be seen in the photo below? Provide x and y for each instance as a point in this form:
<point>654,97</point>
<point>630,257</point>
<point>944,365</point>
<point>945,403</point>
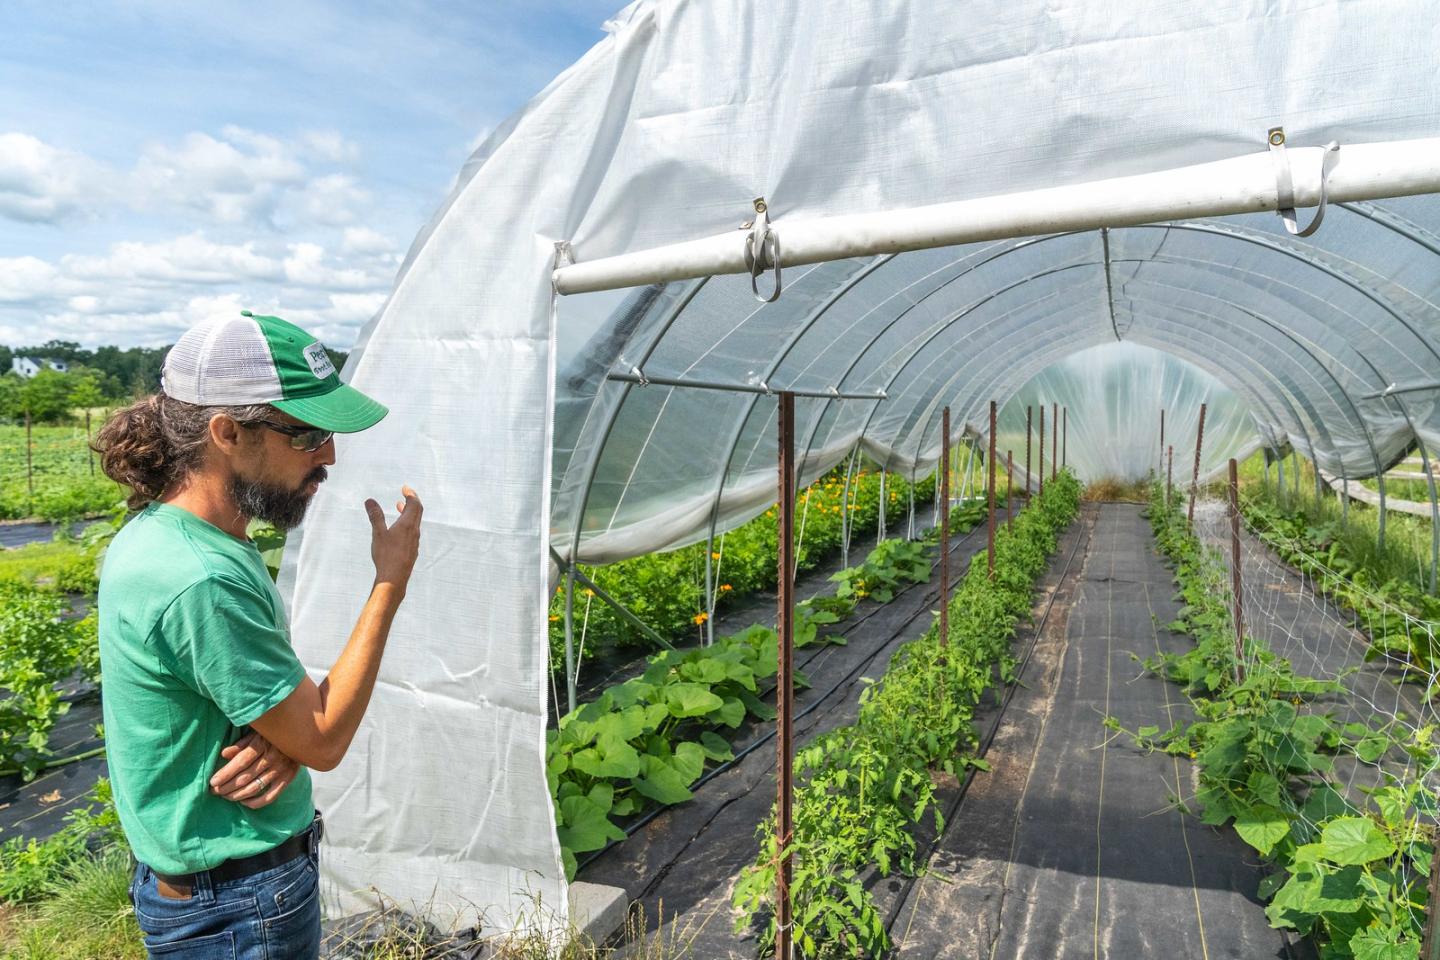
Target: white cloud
<point>149,292</point>
<point>362,241</point>
<point>330,146</point>
<point>190,259</point>
<point>26,279</point>
<point>238,178</point>
<point>44,184</point>
<point>332,200</point>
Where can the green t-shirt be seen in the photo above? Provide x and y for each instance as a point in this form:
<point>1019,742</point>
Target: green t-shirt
<point>193,647</point>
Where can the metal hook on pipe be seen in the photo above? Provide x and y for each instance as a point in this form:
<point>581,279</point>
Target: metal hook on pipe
<point>1285,187</point>
<point>762,249</point>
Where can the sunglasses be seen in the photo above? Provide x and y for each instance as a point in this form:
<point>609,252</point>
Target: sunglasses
<point>308,439</point>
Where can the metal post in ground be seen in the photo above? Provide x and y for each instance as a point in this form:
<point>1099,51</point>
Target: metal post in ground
<point>945,529</point>
<point>570,678</point>
<point>1042,448</point>
<point>1162,433</point>
<point>784,687</point>
<point>990,465</point>
<point>1054,439</point>
<point>1064,436</point>
<point>1028,431</point>
<point>1009,482</point>
<point>880,532</point>
<point>1235,579</point>
<point>88,450</point>
<point>1429,936</point>
<point>1169,473</point>
<point>710,589</point>
<point>1195,477</point>
<point>845,514</point>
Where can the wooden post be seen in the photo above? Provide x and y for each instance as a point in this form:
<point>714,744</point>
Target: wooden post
<point>29,460</point>
<point>1064,436</point>
<point>945,530</point>
<point>1235,584</point>
<point>990,465</point>
<point>1042,448</point>
<point>784,679</point>
<point>1195,477</point>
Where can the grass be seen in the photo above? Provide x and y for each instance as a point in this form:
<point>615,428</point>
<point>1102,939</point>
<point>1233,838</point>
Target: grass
<point>1110,488</point>
<point>1404,557</point>
<point>87,916</point>
<point>66,566</point>
<point>394,934</point>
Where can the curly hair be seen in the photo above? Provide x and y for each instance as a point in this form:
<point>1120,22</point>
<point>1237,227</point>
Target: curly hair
<point>155,443</point>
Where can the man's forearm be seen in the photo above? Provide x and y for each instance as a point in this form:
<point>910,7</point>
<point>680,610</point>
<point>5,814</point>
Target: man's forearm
<point>345,692</point>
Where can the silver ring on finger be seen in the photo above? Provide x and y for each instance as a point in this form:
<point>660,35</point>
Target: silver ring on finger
<point>261,782</point>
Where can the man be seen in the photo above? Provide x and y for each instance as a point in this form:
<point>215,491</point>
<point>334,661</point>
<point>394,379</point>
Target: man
<point>195,652</point>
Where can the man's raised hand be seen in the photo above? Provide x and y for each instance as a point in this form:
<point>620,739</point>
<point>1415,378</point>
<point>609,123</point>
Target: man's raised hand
<point>394,547</point>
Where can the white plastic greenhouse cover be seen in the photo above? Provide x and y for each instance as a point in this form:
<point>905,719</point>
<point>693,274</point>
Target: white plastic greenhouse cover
<point>663,134</point>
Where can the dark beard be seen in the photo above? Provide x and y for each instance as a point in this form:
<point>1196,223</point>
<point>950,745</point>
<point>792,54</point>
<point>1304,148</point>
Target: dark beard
<point>277,506</point>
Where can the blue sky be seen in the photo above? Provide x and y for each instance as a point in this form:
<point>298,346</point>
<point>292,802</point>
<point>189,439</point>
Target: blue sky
<point>161,162</point>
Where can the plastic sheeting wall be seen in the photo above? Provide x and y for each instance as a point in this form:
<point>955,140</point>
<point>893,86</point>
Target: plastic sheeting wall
<point>664,132</point>
<point>1111,397</point>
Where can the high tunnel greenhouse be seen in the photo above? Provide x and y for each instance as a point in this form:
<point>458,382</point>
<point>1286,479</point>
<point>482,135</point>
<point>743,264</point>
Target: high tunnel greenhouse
<point>887,211</point>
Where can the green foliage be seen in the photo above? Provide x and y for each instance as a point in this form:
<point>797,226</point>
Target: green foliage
<point>862,790</point>
<point>891,565</point>
<point>1387,606</point>
<point>65,488</point>
<point>39,647</point>
<point>644,742</point>
<point>1353,876</point>
<point>33,869</point>
<point>667,590</point>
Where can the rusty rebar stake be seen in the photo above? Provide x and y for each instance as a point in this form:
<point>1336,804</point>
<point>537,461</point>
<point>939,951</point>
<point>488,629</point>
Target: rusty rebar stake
<point>1195,477</point>
<point>990,465</point>
<point>1054,439</point>
<point>784,678</point>
<point>1029,430</point>
<point>1042,449</point>
<point>1009,482</point>
<point>1235,581</point>
<point>945,528</point>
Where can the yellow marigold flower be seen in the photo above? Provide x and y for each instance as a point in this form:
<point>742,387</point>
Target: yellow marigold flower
<point>700,618</point>
<point>714,555</point>
<point>554,617</point>
<point>589,592</point>
<point>725,586</point>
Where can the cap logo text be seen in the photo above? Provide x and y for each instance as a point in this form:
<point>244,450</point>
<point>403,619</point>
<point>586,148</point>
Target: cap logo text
<point>319,361</point>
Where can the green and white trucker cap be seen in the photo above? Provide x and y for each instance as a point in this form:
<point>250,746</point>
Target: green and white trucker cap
<point>250,359</point>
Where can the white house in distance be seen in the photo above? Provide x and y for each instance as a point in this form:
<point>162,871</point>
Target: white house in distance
<point>29,366</point>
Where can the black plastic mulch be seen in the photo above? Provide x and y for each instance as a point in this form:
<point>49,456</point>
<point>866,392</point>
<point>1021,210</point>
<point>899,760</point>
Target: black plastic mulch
<point>681,866</point>
<point>37,809</point>
<point>1074,848</point>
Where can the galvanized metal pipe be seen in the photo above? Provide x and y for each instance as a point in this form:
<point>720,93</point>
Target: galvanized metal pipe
<point>945,529</point>
<point>990,464</point>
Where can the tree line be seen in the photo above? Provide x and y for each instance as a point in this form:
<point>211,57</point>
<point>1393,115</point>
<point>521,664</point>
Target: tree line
<point>103,377</point>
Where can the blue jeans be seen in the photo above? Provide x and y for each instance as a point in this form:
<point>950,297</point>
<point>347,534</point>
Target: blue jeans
<point>270,915</point>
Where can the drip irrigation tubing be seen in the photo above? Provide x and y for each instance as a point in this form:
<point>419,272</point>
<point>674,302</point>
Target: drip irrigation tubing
<point>631,829</point>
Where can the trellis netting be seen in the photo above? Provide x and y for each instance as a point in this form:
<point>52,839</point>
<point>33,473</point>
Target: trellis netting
<point>852,120</point>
